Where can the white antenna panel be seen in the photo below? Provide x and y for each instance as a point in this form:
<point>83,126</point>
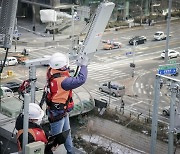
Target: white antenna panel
<point>97,28</point>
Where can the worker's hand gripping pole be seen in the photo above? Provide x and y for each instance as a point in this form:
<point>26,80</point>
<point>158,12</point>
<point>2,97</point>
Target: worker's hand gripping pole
<point>97,27</point>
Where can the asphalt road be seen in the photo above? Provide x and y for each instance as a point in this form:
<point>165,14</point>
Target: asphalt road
<point>113,65</point>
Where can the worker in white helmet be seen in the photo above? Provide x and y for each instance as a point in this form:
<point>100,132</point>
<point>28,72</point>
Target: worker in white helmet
<point>59,96</point>
<point>35,131</point>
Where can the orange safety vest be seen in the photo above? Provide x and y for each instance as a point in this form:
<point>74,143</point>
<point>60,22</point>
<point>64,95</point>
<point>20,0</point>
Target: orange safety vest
<point>36,133</point>
<point>58,94</point>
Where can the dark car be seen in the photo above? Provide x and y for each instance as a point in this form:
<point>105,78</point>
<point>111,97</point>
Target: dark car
<point>138,40</point>
<point>14,86</point>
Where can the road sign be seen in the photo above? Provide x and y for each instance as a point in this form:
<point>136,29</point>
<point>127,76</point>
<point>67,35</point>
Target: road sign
<point>167,71</point>
<point>129,53</point>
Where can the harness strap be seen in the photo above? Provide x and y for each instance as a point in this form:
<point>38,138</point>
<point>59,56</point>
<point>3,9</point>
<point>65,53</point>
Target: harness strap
<point>56,106</point>
<point>56,118</point>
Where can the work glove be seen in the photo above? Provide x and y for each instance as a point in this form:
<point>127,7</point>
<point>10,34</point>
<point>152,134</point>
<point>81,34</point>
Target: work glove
<point>83,60</point>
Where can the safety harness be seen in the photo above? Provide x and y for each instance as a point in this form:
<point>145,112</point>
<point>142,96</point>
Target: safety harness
<point>54,105</point>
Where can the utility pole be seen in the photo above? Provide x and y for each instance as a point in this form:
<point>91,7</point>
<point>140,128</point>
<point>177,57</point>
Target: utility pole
<point>109,86</point>
<point>72,35</point>
<point>168,28</point>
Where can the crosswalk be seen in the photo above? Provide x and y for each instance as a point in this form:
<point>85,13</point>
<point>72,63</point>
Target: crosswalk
<point>144,89</point>
<point>39,53</point>
<point>104,73</point>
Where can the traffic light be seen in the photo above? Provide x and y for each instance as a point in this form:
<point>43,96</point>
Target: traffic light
<point>132,65</point>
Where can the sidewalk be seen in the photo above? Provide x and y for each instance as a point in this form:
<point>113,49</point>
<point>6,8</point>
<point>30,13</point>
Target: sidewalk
<point>127,137</point>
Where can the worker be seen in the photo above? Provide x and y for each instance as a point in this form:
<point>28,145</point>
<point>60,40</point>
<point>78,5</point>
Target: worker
<point>122,106</point>
<point>35,131</point>
<point>60,100</point>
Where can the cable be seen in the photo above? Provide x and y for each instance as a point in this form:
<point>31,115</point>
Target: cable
<point>5,58</point>
<point>77,69</point>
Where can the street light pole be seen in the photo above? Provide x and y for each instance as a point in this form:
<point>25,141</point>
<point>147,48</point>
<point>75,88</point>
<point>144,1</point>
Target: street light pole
<point>141,11</point>
<point>168,28</point>
<point>140,7</point>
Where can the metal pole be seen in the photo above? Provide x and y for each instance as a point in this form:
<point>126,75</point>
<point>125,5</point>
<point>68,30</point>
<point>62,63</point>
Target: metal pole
<point>72,35</point>
<point>133,68</point>
<point>172,117</point>
<point>168,27</point>
<point>134,45</point>
<point>26,120</point>
<point>54,27</point>
<point>15,37</point>
<point>141,11</point>
<point>34,17</point>
<point>1,93</point>
<point>32,77</point>
<point>155,115</point>
<point>109,86</point>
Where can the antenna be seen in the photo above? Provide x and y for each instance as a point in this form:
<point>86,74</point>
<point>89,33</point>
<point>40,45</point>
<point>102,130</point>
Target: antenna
<point>7,21</point>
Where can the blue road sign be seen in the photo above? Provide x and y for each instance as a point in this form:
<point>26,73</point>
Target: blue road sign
<point>129,53</point>
<point>167,71</point>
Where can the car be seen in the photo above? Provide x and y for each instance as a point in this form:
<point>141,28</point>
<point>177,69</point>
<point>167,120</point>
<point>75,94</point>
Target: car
<point>1,63</point>
<point>113,88</point>
<point>10,61</point>
<point>16,35</point>
<point>171,54</point>
<point>6,92</point>
<point>47,57</point>
<point>21,58</point>
<point>159,35</point>
<point>106,41</point>
<point>14,86</point>
<point>112,45</point>
<point>137,40</point>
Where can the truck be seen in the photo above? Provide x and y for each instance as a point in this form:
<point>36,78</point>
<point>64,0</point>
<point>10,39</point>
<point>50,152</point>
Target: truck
<point>159,35</point>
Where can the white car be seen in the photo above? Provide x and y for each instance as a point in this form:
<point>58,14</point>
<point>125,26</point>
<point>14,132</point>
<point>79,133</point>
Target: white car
<point>171,54</point>
<point>159,35</point>
<point>6,92</point>
<point>10,61</point>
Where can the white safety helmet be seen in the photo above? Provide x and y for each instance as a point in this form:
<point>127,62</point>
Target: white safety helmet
<point>58,60</point>
<point>35,112</point>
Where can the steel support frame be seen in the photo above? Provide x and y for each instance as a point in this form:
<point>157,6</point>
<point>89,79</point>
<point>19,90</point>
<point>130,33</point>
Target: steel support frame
<point>172,119</point>
<point>32,78</point>
<point>25,121</point>
<point>155,114</point>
